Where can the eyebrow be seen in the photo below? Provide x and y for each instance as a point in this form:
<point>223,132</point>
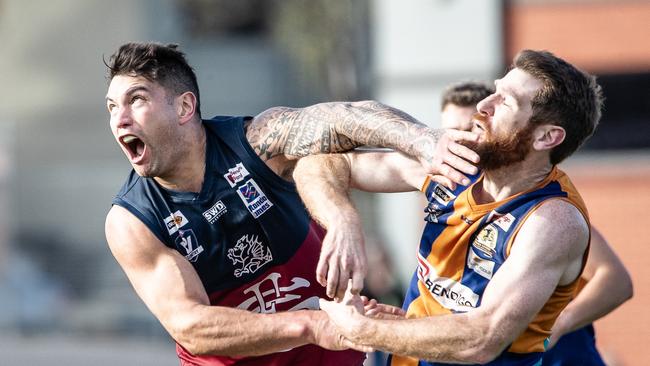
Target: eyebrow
<point>516,96</point>
<point>131,90</point>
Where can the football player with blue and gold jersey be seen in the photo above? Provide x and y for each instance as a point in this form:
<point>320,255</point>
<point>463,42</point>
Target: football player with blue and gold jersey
<point>498,259</point>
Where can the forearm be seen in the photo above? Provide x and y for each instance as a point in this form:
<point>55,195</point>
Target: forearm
<point>342,126</point>
<point>376,124</point>
<point>232,332</point>
<point>602,294</point>
<point>447,338</point>
<point>323,182</point>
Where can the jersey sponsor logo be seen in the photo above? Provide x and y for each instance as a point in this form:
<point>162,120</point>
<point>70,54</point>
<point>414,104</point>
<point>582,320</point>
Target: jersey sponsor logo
<point>187,240</point>
<point>268,293</point>
<point>449,293</point>
<point>255,200</point>
<point>175,221</point>
<point>236,174</point>
<point>433,211</point>
<point>214,212</point>
<point>442,194</point>
<point>249,254</point>
<point>483,267</point>
<point>505,221</point>
<point>486,240</point>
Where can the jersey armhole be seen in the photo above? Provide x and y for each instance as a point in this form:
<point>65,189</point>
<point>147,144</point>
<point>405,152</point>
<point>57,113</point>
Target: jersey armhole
<point>141,216</point>
<point>523,220</point>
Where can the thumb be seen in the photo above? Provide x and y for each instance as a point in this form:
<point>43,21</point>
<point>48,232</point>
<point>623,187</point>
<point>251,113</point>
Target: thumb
<point>324,304</point>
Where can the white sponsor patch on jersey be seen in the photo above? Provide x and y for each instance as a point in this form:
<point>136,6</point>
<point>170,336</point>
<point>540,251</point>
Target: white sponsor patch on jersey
<point>175,221</point>
<point>483,267</point>
<point>255,200</point>
<point>449,293</point>
<point>236,174</point>
<point>505,221</point>
<point>442,194</point>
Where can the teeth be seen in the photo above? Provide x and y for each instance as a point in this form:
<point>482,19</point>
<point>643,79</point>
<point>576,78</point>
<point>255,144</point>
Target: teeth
<point>129,139</point>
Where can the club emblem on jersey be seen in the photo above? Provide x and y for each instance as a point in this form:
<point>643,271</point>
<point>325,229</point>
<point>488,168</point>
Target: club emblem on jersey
<point>187,240</point>
<point>236,174</point>
<point>175,221</point>
<point>269,292</point>
<point>255,200</point>
<point>249,255</point>
<point>486,240</point>
<point>442,194</point>
<point>215,212</point>
<point>433,211</point>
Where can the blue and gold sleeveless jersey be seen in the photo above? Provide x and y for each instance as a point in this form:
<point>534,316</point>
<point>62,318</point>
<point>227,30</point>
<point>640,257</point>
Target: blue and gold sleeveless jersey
<point>465,243</point>
<point>247,235</point>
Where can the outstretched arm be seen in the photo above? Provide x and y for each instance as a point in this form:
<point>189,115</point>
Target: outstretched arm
<point>172,290</point>
<point>547,252</point>
<point>280,135</point>
<point>609,285</point>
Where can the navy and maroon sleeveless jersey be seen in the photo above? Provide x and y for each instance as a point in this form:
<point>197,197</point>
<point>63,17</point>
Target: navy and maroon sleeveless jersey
<point>247,235</point>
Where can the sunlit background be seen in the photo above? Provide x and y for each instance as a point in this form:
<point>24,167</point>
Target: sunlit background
<point>63,298</point>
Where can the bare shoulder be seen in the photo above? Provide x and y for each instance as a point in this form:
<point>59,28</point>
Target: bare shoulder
<point>130,241</point>
<point>560,225</point>
<point>268,130</point>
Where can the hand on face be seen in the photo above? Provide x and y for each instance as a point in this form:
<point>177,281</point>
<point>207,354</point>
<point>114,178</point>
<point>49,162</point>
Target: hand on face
<point>451,159</point>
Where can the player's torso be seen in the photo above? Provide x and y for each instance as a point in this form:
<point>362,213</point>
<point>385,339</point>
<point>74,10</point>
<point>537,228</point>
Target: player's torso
<point>247,234</point>
<point>464,244</point>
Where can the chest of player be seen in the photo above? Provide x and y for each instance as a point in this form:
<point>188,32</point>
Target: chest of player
<point>464,245</point>
<point>239,225</point>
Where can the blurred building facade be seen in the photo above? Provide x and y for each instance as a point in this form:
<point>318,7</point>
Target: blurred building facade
<point>60,167</point>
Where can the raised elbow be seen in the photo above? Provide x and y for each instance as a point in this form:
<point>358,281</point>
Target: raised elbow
<point>488,344</point>
<point>484,354</point>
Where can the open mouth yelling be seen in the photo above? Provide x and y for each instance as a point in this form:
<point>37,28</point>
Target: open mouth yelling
<point>134,147</point>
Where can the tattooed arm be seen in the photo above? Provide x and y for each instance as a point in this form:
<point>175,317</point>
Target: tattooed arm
<point>281,135</point>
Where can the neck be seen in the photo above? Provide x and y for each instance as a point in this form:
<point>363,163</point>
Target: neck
<point>502,183</point>
<point>187,174</point>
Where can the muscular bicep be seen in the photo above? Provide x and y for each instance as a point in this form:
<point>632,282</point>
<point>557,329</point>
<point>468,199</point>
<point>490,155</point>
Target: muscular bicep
<point>292,133</point>
<point>163,279</point>
<point>547,252</point>
<point>384,171</point>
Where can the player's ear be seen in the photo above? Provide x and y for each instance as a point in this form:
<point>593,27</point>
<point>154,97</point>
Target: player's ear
<point>546,137</point>
<point>186,107</point>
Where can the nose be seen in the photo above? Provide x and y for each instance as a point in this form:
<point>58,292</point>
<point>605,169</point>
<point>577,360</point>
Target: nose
<point>486,106</point>
<point>121,117</point>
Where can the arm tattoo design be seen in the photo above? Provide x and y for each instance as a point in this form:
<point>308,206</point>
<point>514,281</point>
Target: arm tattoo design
<point>338,127</point>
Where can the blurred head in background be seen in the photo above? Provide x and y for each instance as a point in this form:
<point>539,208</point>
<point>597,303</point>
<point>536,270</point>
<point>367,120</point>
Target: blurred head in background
<point>459,103</point>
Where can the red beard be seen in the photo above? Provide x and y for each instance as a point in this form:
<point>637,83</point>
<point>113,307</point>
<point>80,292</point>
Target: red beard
<point>498,151</point>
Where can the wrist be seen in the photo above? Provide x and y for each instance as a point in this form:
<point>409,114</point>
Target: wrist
<point>310,322</point>
<point>303,325</point>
